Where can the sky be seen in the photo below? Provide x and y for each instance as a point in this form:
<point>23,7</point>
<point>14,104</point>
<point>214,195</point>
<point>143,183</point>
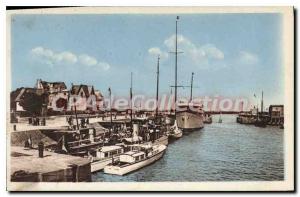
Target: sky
<point>232,55</point>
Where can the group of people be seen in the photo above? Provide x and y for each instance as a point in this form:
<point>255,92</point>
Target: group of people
<point>36,121</point>
<point>83,122</point>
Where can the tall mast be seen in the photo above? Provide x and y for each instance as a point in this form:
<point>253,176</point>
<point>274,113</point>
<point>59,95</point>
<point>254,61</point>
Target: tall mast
<point>262,101</point>
<point>176,53</point>
<point>191,96</point>
<point>157,85</point>
<point>110,107</point>
<point>131,97</point>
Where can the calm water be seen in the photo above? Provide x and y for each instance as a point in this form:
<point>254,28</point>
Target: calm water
<point>219,152</point>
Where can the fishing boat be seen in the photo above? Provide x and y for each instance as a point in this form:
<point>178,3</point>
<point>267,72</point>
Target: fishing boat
<point>143,155</point>
<point>104,156</point>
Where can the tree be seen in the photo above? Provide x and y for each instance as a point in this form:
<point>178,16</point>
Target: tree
<point>62,103</point>
<point>32,103</point>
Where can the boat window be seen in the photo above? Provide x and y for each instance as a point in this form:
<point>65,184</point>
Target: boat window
<point>106,155</point>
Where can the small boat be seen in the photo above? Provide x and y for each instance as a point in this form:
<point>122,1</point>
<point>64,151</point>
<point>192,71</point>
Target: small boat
<point>207,119</point>
<point>220,119</point>
<point>104,156</point>
<point>133,160</point>
<point>175,132</point>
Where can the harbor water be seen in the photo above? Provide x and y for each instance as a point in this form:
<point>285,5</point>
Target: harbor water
<point>225,151</point>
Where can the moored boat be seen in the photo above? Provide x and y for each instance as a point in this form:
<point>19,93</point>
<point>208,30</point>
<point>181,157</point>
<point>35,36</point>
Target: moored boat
<point>136,159</point>
<point>104,156</point>
<point>175,132</point>
<point>207,118</point>
<point>189,117</point>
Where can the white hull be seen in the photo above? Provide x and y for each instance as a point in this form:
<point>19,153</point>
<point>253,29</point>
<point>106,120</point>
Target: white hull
<point>176,135</point>
<point>162,140</point>
<point>100,164</point>
<point>175,132</point>
<point>117,170</point>
<point>189,121</point>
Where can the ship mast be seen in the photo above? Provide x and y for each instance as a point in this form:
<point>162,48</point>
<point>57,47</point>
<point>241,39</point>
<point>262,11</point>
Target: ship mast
<point>176,54</point>
<point>191,95</point>
<point>110,107</point>
<point>157,85</point>
<point>262,102</point>
<point>131,98</point>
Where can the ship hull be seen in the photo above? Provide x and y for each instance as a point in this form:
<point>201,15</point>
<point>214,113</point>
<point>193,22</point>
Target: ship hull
<point>162,140</point>
<point>189,121</point>
<point>99,165</point>
<point>133,167</point>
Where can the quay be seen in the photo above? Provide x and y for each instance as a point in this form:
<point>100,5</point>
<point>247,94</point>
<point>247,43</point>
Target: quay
<point>52,167</point>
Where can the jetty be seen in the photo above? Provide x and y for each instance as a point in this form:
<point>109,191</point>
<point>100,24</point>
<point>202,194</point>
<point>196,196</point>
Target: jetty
<point>29,166</point>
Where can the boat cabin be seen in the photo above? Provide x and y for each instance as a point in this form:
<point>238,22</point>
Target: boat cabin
<point>132,156</point>
<point>193,107</point>
<point>109,151</point>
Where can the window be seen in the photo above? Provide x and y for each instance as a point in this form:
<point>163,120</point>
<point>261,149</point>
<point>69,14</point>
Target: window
<point>106,155</point>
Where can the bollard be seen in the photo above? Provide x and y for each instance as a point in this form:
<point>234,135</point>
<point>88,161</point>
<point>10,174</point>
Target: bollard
<point>41,149</point>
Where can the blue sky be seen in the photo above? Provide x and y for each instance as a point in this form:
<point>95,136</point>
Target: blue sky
<point>231,55</point>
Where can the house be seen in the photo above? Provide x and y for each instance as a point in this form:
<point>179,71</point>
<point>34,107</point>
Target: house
<point>50,87</point>
<point>54,90</point>
<point>99,100</point>
<point>86,97</point>
<point>276,113</point>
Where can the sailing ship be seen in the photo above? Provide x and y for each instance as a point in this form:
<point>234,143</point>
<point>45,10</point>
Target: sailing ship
<point>261,121</point>
<point>175,132</point>
<point>190,115</point>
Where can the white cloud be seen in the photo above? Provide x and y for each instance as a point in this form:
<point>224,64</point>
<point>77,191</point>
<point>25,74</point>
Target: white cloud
<point>197,52</point>
<point>103,65</point>
<point>155,51</point>
<point>53,57</point>
<point>203,56</point>
<point>87,60</point>
<point>247,58</point>
<point>66,57</point>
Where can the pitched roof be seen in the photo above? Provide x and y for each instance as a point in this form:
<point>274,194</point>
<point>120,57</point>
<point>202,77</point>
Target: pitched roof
<point>88,90</point>
<point>55,85</point>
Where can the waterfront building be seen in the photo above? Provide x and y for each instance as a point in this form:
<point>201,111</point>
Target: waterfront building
<point>276,113</point>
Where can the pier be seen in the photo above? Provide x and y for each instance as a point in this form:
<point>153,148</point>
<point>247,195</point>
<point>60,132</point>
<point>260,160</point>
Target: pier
<point>52,167</point>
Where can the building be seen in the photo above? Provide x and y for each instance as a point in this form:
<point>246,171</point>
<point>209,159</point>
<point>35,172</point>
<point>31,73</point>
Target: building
<point>54,90</point>
<point>276,113</point>
<point>99,100</point>
<point>87,99</point>
<point>50,87</point>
